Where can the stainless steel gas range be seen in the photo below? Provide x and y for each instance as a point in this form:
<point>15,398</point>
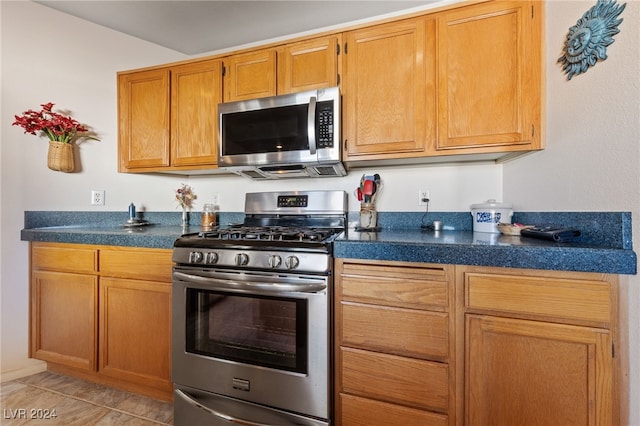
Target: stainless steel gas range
<point>251,313</point>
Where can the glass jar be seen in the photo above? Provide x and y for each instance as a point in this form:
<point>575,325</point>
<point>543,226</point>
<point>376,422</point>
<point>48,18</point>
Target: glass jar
<point>208,217</point>
<point>368,216</point>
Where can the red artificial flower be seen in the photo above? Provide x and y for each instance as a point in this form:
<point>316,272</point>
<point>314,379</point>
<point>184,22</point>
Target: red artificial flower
<point>53,125</point>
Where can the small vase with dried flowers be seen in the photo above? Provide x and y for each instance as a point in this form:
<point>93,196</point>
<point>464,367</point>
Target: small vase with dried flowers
<point>61,130</point>
<point>185,197</point>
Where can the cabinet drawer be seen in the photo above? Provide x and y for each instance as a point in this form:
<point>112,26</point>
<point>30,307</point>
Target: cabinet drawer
<point>362,411</point>
<point>572,299</point>
<point>391,378</point>
<point>420,334</point>
<point>404,286</point>
<point>146,264</point>
<point>64,258</point>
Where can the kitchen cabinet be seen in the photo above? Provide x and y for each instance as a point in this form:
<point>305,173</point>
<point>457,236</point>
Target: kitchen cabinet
<point>388,90</point>
<point>250,75</point>
<point>393,343</point>
<point>490,78</point>
<point>167,119</point>
<point>135,320</point>
<point>289,68</point>
<point>309,64</point>
<point>64,305</point>
<point>539,347</point>
<point>461,83</point>
<point>437,344</point>
<point>103,313</point>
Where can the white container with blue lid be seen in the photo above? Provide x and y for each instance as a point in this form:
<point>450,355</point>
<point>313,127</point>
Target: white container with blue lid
<point>487,215</point>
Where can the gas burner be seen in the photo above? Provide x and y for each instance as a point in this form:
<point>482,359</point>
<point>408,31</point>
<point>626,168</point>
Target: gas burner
<point>272,233</point>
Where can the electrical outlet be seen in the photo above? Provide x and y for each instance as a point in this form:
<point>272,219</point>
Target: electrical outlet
<point>97,197</point>
<point>423,197</point>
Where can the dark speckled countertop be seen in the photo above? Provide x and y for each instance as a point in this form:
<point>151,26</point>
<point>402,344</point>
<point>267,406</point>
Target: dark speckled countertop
<point>605,245</point>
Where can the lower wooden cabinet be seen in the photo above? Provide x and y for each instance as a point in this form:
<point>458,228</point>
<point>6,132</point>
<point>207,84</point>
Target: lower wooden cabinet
<point>455,345</point>
<point>109,322</point>
<point>540,347</point>
<point>393,346</point>
<point>64,324</point>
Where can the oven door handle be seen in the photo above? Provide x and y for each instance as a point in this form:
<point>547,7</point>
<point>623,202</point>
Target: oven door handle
<point>215,413</point>
<point>273,288</point>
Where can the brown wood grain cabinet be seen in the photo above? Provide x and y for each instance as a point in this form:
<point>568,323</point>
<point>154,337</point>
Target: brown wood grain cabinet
<point>103,313</point>
<point>250,75</point>
<point>64,305</point>
<point>518,346</point>
<point>309,64</point>
<point>166,117</point>
<point>539,347</point>
<point>393,346</point>
<point>461,82</point>
<point>388,90</point>
<point>489,78</point>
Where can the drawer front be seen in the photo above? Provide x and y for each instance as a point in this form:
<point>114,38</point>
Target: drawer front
<point>588,300</point>
<point>64,258</point>
<point>362,411</point>
<point>411,287</point>
<point>420,334</point>
<point>407,381</point>
<point>145,264</point>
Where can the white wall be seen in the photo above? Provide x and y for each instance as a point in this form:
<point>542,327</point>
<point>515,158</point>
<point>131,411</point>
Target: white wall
<point>592,160</point>
<point>75,67</point>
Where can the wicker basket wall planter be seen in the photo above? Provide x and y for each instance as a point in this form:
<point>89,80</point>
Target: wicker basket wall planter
<point>60,157</point>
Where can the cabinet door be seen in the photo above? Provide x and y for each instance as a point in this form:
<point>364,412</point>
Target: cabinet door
<point>196,91</point>
<point>308,65</point>
<point>64,318</point>
<point>135,331</point>
<point>143,120</point>
<point>489,72</point>
<point>389,90</point>
<point>250,75</point>
<point>526,372</point>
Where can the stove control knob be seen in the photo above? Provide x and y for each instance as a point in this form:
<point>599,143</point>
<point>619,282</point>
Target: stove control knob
<point>292,262</point>
<point>242,259</point>
<point>211,258</point>
<point>195,257</point>
<point>274,261</point>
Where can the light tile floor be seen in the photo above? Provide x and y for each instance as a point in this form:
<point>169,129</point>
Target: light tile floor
<point>28,400</point>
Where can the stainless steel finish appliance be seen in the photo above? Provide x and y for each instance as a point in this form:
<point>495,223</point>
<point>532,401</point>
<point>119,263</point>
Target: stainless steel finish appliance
<point>286,136</point>
<point>251,314</point>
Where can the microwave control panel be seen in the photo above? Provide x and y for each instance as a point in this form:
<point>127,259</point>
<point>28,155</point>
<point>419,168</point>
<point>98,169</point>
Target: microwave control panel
<point>324,124</point>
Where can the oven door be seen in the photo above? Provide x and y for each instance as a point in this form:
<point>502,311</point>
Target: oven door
<point>257,337</point>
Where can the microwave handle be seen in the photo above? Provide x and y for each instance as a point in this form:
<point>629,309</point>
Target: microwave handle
<point>311,125</point>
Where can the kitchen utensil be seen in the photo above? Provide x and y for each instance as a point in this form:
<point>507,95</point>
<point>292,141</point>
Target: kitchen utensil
<point>367,190</point>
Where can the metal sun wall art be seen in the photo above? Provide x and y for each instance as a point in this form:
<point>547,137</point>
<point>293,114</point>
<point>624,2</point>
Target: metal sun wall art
<point>587,41</point>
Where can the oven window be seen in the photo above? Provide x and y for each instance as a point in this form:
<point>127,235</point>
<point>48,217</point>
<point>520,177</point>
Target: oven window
<point>256,330</point>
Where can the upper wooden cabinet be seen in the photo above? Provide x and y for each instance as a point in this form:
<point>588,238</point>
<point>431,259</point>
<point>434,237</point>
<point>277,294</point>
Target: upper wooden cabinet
<point>294,67</point>
<point>143,119</point>
<point>458,83</point>
<point>489,78</point>
<point>389,90</point>
<point>196,91</point>
<point>309,64</point>
<point>250,75</point>
<point>167,118</point>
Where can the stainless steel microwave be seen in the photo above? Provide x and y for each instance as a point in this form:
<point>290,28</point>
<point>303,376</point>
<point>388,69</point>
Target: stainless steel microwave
<point>286,136</point>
